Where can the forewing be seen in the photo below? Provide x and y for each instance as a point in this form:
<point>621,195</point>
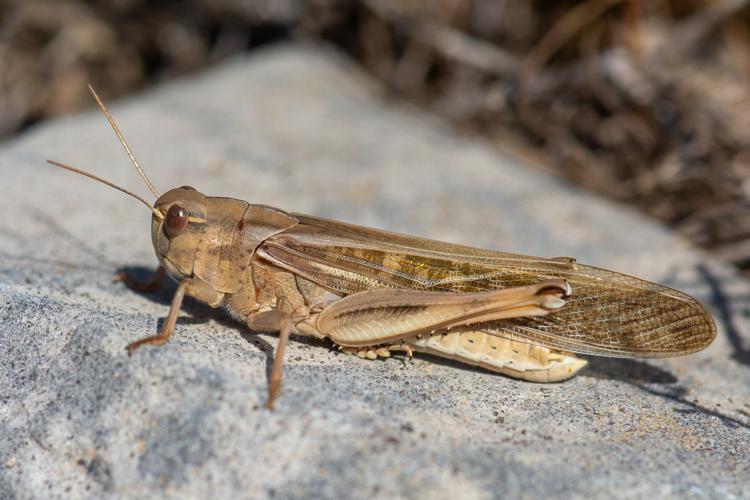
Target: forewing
<point>609,314</point>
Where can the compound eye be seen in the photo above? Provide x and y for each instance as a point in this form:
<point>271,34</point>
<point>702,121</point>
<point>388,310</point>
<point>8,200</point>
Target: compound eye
<point>175,222</point>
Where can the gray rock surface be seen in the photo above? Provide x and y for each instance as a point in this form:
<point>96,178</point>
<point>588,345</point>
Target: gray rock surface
<point>300,129</point>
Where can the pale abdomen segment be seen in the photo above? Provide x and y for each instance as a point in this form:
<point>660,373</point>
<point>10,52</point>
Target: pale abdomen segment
<point>515,359</point>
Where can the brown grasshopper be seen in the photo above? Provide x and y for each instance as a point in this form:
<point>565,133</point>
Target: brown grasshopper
<point>373,292</point>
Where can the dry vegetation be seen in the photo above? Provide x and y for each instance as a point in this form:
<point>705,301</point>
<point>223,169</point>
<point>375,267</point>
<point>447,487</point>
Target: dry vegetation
<point>645,102</point>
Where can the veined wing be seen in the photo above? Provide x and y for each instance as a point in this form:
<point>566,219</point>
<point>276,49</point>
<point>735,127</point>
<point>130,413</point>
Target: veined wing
<point>609,314</point>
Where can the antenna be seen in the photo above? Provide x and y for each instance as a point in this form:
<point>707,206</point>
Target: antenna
<point>124,144</point>
<point>103,181</point>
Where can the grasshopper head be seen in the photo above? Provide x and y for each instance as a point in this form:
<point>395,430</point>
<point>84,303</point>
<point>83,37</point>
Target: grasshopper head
<point>177,226</point>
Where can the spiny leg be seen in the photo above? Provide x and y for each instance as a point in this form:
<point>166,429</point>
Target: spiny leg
<point>142,286</point>
<point>169,323</point>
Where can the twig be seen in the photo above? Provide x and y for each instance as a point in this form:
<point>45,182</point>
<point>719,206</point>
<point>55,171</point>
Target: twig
<point>450,43</point>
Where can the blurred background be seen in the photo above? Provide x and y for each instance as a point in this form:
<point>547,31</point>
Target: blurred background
<point>646,102</point>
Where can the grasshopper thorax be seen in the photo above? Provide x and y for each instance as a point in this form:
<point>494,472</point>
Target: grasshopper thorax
<point>210,238</point>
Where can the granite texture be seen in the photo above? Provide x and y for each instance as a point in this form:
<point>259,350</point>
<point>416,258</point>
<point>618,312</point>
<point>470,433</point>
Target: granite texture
<point>299,128</point>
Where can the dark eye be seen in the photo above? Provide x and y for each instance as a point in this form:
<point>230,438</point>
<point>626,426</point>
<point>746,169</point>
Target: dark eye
<point>188,188</point>
<point>176,221</point>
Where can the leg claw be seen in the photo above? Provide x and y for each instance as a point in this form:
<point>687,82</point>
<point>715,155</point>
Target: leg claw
<point>156,340</point>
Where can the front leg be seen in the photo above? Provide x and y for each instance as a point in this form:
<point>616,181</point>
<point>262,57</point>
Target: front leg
<point>190,286</point>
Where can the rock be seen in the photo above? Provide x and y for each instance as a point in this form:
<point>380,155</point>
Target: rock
<point>298,128</point>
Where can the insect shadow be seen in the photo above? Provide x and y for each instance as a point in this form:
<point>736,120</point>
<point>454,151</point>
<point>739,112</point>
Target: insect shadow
<point>628,370</point>
<point>722,302</point>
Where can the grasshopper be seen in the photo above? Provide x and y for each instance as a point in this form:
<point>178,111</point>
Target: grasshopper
<point>373,292</point>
